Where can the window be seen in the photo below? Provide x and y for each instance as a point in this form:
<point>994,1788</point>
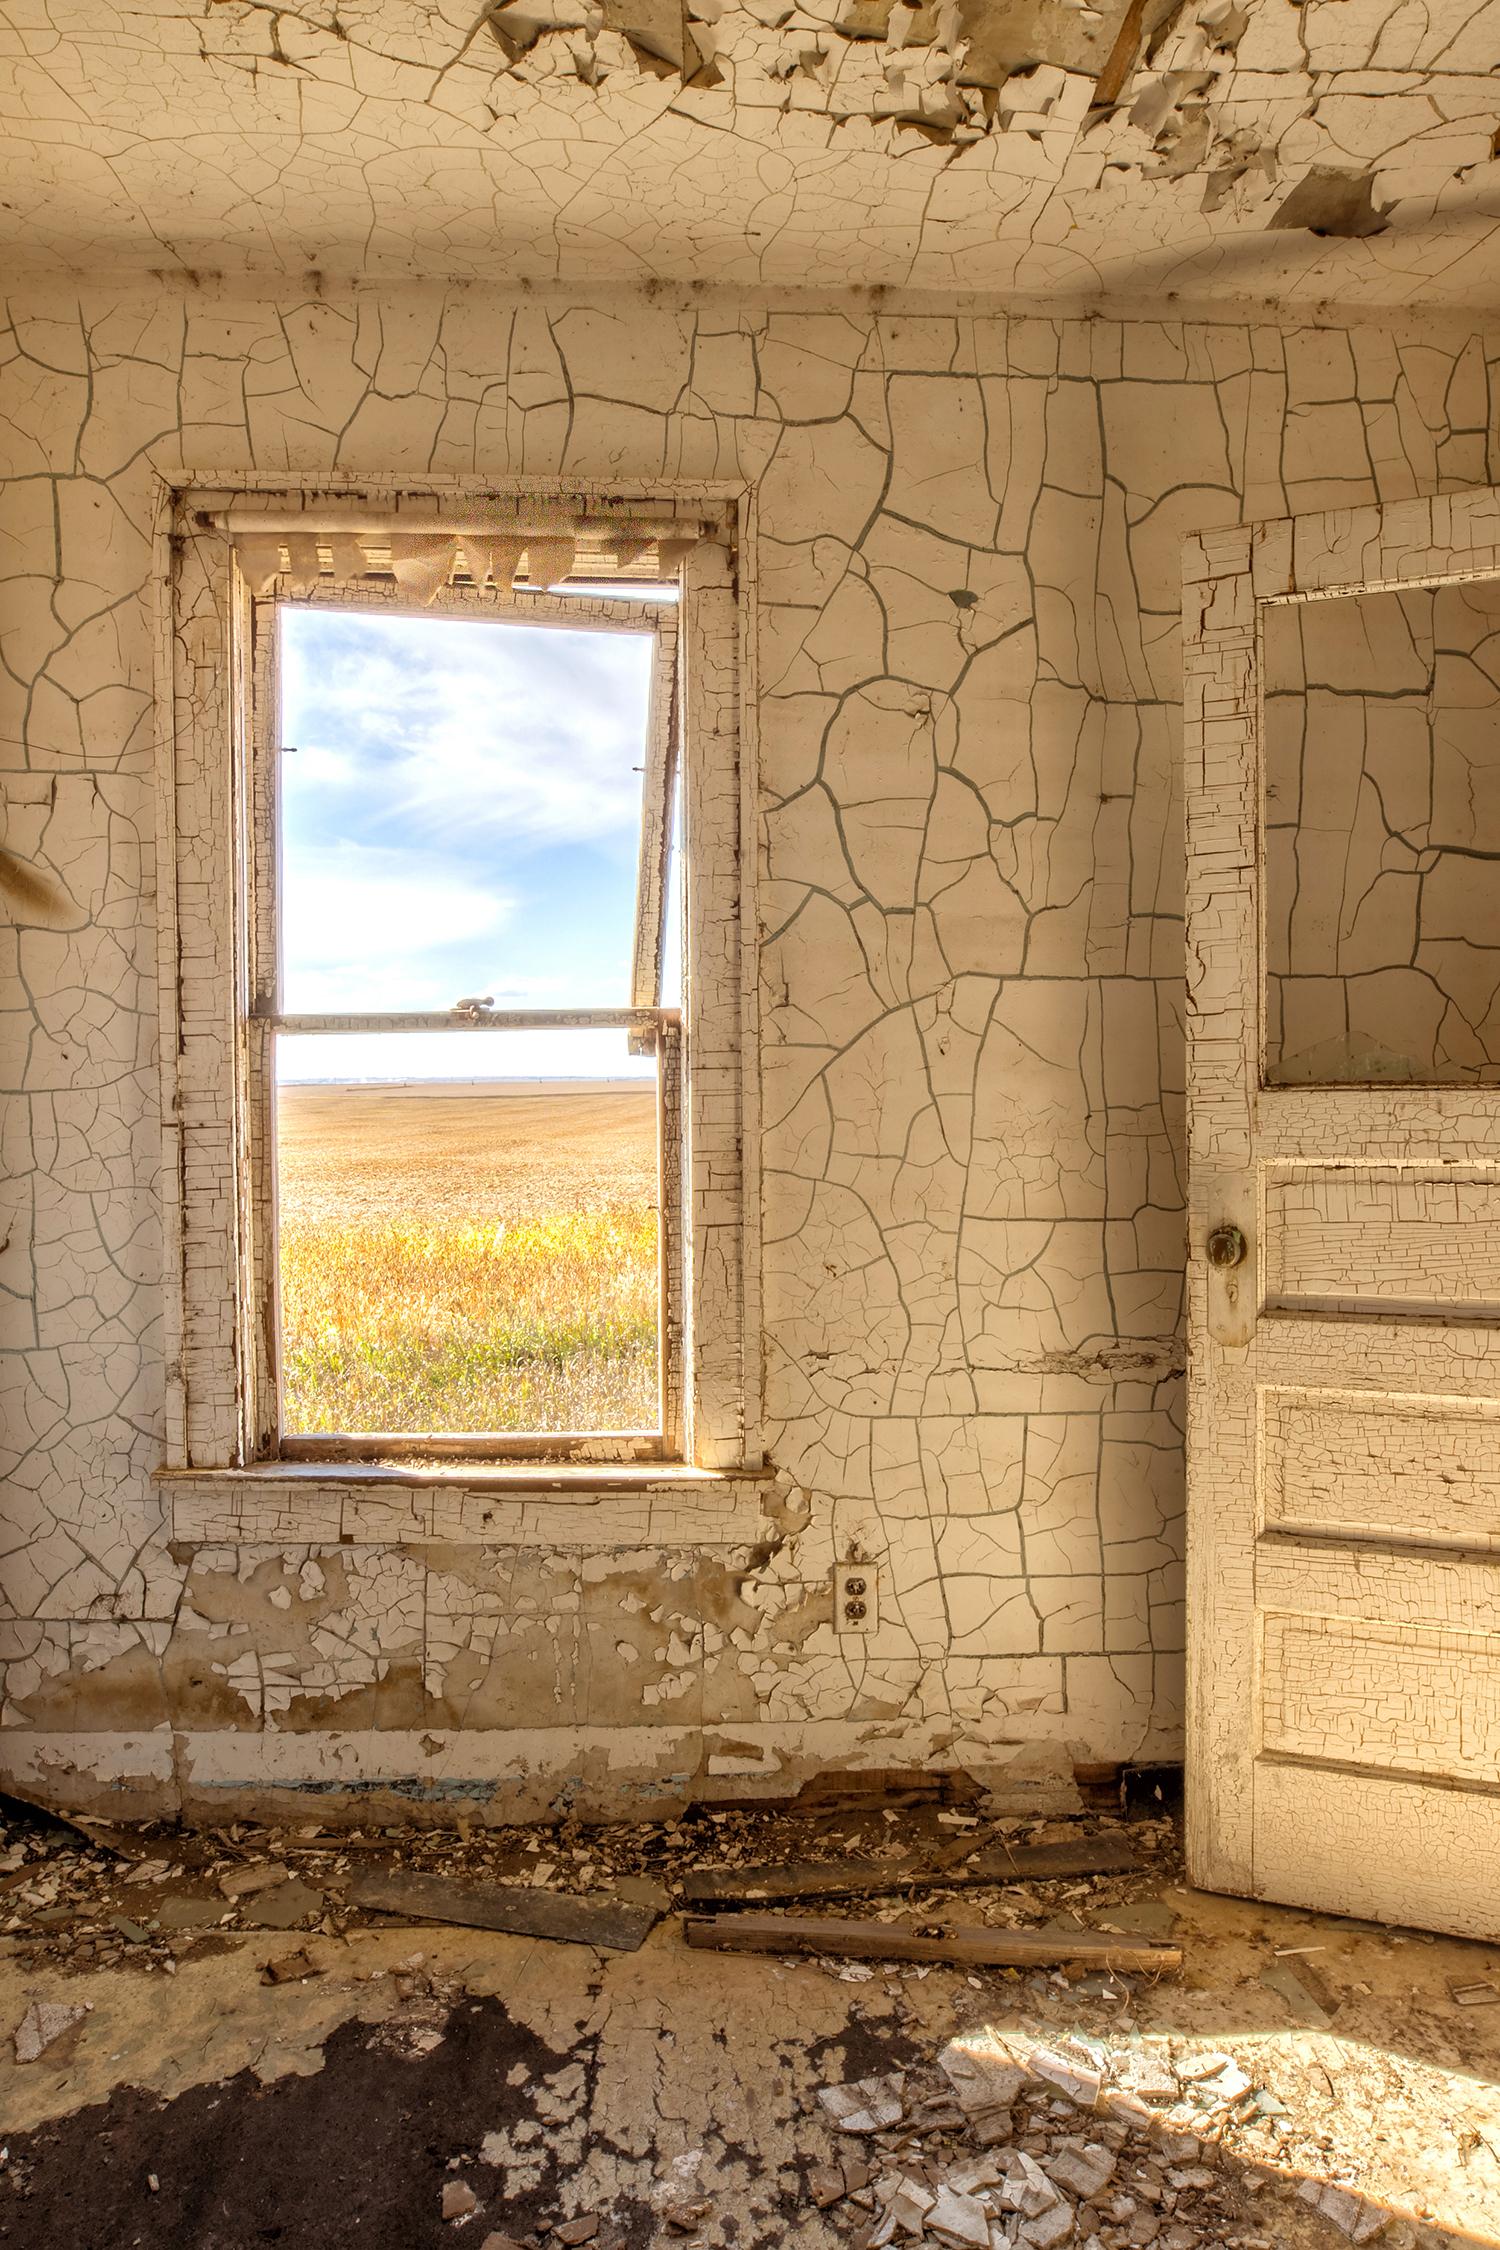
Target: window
<point>453,1093</point>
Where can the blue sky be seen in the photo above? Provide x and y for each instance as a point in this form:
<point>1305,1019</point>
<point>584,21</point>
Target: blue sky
<point>462,815</point>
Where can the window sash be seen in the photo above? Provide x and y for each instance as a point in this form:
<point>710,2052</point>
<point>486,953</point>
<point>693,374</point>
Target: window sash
<point>659,1029</point>
<point>266,1018</point>
<point>642,1023</point>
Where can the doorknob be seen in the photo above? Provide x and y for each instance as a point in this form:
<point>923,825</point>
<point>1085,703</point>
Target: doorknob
<point>1226,1246</point>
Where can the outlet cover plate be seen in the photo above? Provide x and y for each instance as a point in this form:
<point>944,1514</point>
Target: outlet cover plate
<point>856,1606</point>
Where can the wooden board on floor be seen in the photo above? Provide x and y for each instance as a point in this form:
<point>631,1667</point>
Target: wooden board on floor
<point>967,1948</point>
<point>874,1878</point>
<point>599,1920</point>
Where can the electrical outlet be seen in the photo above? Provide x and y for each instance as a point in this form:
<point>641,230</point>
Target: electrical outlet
<point>855,1605</point>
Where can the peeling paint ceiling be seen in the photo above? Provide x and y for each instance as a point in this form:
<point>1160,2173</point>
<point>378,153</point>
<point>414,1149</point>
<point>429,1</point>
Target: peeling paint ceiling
<point>1338,149</point>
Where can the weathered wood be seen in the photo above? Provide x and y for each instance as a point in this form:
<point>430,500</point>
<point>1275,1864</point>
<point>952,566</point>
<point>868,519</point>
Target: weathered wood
<point>881,1941</point>
<point>1342,1370</point>
<point>881,1788</point>
<point>1122,57</point>
<point>337,1843</point>
<point>875,1878</point>
<point>594,1920</point>
<point>472,1018</point>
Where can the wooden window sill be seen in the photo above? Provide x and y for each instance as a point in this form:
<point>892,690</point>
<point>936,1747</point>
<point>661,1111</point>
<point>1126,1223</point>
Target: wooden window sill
<point>559,1503</point>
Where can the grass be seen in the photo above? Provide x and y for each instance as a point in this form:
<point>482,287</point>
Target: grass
<point>455,1263</point>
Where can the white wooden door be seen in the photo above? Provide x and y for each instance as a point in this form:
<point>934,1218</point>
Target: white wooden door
<point>1343,945</point>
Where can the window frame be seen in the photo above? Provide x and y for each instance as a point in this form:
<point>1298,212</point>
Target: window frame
<point>220,982</point>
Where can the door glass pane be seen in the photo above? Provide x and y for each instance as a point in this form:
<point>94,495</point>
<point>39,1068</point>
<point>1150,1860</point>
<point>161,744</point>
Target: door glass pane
<point>468,1228</point>
<point>1382,837</point>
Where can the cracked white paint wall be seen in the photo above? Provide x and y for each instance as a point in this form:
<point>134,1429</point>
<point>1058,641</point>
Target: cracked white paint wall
<point>969,867</point>
<point>957,145</point>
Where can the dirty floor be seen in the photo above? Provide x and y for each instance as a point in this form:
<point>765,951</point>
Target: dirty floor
<point>1300,2080</point>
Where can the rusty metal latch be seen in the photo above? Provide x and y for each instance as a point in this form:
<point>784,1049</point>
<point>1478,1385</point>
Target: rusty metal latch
<point>1226,1247</point>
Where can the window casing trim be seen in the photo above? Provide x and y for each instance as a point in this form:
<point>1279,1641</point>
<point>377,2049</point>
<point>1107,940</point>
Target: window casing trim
<point>501,1504</point>
<point>219,990</point>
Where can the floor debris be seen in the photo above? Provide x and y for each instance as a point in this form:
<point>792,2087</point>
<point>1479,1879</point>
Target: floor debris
<point>975,2105</point>
<point>958,2218</point>
<point>1360,2220</point>
<point>865,2105</point>
<point>290,1969</point>
<point>281,1908</point>
<point>985,2082</point>
<point>524,1913</point>
<point>827,2185</point>
<point>44,2026</point>
<point>244,1882</point>
<point>1149,1918</point>
<point>1096,2167</point>
<point>878,1941</point>
<point>1295,1988</point>
<point>1474,1995</point>
<point>1099,1855</point>
<point>69,1888</point>
<point>184,1912</point>
<point>685,2218</point>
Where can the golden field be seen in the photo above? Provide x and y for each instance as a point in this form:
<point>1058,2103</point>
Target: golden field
<point>464,1261</point>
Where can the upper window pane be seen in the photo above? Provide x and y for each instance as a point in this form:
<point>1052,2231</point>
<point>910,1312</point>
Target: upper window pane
<point>1382,833</point>
<point>460,811</point>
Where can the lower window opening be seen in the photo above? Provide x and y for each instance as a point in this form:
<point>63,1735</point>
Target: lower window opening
<point>465,1257</point>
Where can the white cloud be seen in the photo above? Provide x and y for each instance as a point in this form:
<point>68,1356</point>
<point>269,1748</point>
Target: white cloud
<point>368,928</point>
<point>523,734</point>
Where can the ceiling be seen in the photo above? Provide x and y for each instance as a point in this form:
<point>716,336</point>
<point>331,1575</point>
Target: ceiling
<point>1338,151</point>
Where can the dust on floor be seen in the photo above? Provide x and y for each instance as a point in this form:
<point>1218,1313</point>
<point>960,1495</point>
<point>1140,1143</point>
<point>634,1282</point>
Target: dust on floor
<point>1302,2080</point>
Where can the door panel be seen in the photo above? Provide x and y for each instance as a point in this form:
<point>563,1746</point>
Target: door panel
<point>1343,818</point>
<point>1344,1465</point>
<point>1301,1579</point>
<point>1382,1238</point>
<point>1379,1838</point>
